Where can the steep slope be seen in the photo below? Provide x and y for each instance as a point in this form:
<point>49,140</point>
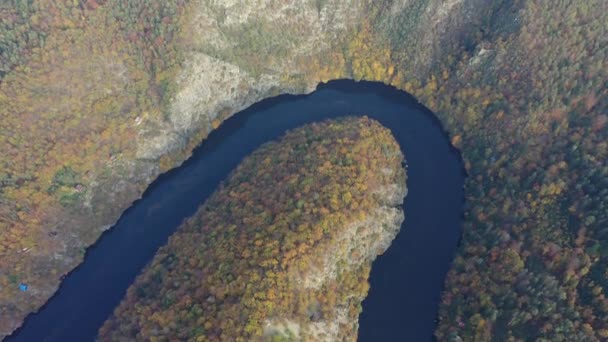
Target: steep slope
<point>90,116</point>
<point>283,248</point>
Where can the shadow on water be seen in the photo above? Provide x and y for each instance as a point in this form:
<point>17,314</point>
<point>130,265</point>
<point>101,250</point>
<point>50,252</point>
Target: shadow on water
<point>406,281</point>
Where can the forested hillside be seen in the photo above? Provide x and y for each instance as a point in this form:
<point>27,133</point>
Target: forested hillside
<point>524,93</point>
<point>282,249</point>
<point>98,97</point>
<point>76,80</point>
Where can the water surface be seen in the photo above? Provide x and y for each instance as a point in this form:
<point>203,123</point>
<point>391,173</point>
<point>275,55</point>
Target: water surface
<point>406,281</point>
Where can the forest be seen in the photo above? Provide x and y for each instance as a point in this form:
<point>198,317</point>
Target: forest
<point>521,87</point>
<point>69,96</point>
<point>246,265</point>
<point>525,98</point>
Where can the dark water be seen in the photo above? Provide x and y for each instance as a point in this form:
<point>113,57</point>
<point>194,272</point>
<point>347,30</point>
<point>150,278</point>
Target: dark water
<point>405,282</point>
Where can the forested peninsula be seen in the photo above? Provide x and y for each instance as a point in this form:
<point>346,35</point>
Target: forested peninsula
<point>99,97</point>
<point>283,249</point>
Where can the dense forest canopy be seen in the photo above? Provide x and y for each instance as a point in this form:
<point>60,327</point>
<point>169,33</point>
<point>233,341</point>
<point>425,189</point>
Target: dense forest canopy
<point>282,250</point>
<point>90,116</point>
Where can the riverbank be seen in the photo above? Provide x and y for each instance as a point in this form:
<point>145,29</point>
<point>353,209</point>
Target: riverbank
<point>435,182</point>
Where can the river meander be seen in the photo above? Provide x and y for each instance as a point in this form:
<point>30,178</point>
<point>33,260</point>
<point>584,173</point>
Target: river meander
<point>406,281</point>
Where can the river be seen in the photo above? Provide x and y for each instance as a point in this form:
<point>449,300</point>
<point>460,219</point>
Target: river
<point>406,281</point>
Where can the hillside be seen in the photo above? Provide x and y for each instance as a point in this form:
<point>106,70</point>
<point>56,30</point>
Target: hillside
<point>90,116</point>
<point>282,249</point>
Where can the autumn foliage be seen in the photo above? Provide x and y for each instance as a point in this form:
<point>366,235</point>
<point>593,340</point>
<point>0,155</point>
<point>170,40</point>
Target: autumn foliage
<point>520,86</point>
<point>237,269</point>
<point>75,76</point>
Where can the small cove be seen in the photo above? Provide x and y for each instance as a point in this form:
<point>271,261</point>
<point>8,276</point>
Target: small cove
<point>406,281</point>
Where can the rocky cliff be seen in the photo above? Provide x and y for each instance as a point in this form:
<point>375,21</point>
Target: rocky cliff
<point>99,97</point>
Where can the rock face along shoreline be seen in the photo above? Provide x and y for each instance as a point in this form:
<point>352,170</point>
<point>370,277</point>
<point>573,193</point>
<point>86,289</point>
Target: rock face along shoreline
<point>282,249</point>
<point>90,117</point>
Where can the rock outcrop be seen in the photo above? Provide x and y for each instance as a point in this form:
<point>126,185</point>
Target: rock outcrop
<point>118,92</point>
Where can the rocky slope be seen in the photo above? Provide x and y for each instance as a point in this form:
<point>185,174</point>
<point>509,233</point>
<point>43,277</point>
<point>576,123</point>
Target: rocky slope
<point>90,116</point>
<point>282,250</point>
